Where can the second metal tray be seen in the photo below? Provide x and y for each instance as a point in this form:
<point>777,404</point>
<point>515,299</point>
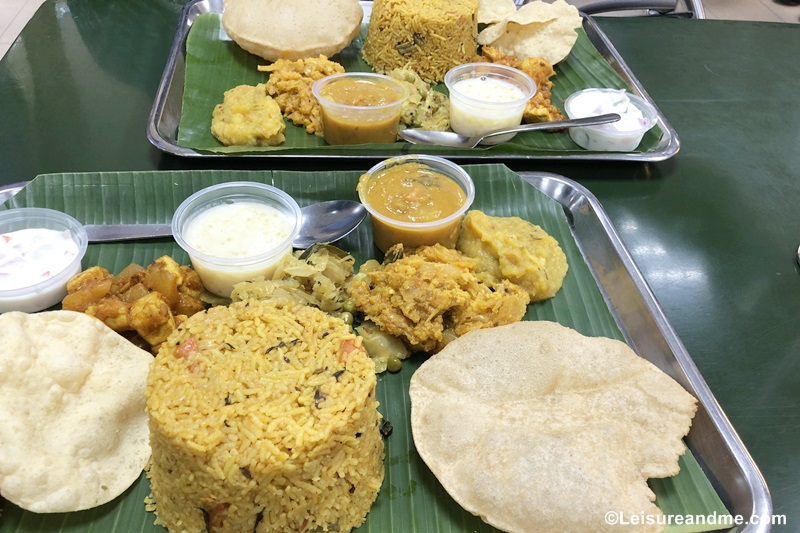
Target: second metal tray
<point>103,198</point>
<point>165,115</point>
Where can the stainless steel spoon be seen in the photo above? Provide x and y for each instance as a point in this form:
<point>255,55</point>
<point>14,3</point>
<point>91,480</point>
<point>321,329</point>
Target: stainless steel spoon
<point>322,222</point>
<point>328,222</point>
<point>448,138</point>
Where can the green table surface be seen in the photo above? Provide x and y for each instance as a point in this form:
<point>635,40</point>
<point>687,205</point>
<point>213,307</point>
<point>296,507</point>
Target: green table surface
<point>714,230</point>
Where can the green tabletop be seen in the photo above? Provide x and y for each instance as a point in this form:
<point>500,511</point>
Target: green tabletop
<point>714,229</point>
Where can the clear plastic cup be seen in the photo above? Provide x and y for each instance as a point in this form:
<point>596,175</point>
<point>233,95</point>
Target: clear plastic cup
<point>622,136</point>
<point>236,231</point>
<point>349,118</point>
<point>388,231</point>
<point>59,259</point>
<point>487,97</point>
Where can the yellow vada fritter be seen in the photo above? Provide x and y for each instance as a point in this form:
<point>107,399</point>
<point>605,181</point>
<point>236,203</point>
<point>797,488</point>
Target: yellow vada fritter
<point>514,249</point>
<point>433,294</point>
<point>248,116</point>
<point>290,85</point>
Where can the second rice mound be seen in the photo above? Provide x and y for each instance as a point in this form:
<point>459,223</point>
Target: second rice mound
<point>428,36</point>
<point>263,418</point>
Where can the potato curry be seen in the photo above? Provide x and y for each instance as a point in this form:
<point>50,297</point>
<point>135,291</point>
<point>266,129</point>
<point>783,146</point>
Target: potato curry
<point>145,304</point>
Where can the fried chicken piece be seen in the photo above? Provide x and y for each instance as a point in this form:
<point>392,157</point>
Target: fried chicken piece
<point>430,290</point>
<point>290,85</point>
<point>538,108</point>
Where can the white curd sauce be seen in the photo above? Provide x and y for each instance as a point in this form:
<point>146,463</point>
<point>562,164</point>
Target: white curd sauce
<point>33,255</point>
<point>488,89</point>
<point>623,135</point>
<point>599,103</point>
<point>238,230</point>
<point>490,104</point>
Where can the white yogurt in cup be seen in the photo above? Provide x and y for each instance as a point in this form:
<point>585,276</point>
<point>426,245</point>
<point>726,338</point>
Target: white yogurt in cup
<point>235,232</point>
<point>40,251</point>
<point>636,118</point>
<point>487,97</point>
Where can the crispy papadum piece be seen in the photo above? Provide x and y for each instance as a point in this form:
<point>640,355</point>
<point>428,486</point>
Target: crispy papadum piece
<point>537,29</point>
<point>535,427</point>
<point>73,426</point>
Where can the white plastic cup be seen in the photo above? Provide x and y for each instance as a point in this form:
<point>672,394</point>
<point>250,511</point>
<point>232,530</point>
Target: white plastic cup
<point>494,100</point>
<point>344,123</point>
<point>220,274</point>
<point>622,136</point>
<point>51,291</point>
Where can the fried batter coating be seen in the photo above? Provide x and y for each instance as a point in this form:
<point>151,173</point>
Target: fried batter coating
<point>432,294</point>
<point>248,116</point>
<point>148,302</point>
<point>538,108</point>
<point>290,85</point>
<point>491,305</point>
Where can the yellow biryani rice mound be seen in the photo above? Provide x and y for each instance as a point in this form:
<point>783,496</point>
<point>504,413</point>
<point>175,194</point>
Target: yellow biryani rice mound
<point>427,36</point>
<point>263,418</point>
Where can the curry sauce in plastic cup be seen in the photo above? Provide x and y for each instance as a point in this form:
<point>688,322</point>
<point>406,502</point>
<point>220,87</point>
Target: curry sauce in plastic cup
<point>416,200</point>
<point>360,107</point>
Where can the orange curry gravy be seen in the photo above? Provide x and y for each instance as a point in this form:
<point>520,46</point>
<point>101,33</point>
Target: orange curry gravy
<point>359,126</point>
<point>361,93</point>
<point>414,192</point>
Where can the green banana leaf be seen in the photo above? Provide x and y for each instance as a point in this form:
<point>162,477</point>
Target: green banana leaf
<point>215,64</point>
<point>411,498</point>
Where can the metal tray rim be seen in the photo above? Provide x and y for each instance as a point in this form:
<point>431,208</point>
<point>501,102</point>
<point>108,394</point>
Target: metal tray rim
<point>669,146</point>
<point>579,205</point>
<point>575,198</point>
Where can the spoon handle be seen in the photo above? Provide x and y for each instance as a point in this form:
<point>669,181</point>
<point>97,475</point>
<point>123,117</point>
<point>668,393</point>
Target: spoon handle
<point>126,232</point>
<point>558,124</point>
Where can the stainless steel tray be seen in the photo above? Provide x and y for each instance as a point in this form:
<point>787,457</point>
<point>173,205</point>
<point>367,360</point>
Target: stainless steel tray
<point>647,330</point>
<point>96,198</point>
<point>164,120</point>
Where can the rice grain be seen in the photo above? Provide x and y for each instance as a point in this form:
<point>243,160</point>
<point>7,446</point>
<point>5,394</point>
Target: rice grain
<point>427,36</point>
<point>263,437</point>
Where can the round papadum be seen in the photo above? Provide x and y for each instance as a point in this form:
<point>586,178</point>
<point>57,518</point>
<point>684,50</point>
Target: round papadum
<point>535,427</point>
<point>73,426</point>
<point>292,29</point>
